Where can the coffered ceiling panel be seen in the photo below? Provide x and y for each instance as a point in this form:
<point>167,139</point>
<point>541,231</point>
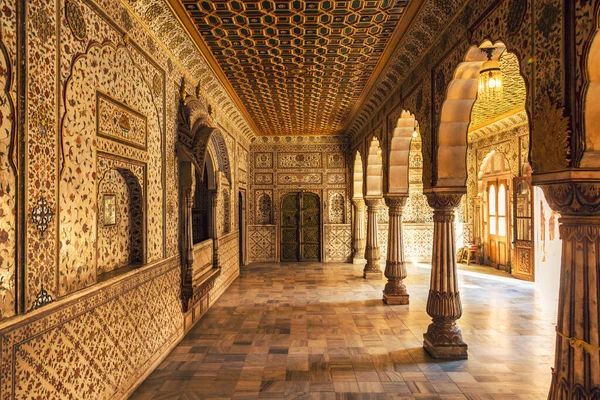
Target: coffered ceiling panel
<point>297,67</point>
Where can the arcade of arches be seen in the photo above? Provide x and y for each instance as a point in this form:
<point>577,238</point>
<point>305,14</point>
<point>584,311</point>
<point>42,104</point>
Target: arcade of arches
<point>300,199</point>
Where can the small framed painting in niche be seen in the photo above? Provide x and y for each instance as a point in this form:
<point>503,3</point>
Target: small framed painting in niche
<point>109,206</point>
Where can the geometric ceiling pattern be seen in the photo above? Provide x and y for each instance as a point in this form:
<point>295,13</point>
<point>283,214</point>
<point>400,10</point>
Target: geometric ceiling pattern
<point>298,67</point>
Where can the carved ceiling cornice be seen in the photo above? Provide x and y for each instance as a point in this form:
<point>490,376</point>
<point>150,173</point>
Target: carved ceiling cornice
<point>432,20</point>
<point>300,140</point>
<point>502,125</point>
<point>158,19</point>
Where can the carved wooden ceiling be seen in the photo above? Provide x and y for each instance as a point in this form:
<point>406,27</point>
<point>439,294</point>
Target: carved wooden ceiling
<point>297,67</point>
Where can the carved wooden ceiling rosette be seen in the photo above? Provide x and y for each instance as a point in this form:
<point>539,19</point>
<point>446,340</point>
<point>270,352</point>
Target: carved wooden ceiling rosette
<point>298,66</point>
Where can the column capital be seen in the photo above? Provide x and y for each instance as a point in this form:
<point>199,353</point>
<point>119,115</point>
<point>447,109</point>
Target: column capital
<point>395,201</point>
<point>444,200</point>
<point>372,201</point>
<point>358,202</point>
<point>573,198</point>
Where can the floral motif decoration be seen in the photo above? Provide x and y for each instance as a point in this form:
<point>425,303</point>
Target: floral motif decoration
<point>76,20</point>
<point>515,15</point>
<point>550,150</point>
<point>336,209</point>
<point>157,85</point>
<point>548,18</point>
<point>126,18</point>
<point>42,25</point>
<point>42,299</point>
<point>263,210</point>
<point>42,215</point>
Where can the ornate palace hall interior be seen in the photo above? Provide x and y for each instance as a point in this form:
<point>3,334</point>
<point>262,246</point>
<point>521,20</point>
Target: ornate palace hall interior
<point>349,199</point>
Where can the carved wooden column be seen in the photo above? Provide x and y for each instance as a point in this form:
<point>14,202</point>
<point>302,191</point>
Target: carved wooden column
<point>576,372</point>
<point>395,268</point>
<point>186,240</point>
<point>186,245</point>
<point>443,338</point>
<point>372,252</point>
<point>215,227</point>
<point>359,231</point>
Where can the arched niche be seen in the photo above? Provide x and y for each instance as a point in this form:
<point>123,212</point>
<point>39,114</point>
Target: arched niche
<point>374,175</point>
<point>591,107</point>
<point>398,179</point>
<point>120,230</point>
<point>456,116</point>
<point>357,176</point>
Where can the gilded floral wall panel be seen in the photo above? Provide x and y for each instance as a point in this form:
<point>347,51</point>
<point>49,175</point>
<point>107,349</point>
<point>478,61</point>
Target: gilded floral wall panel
<point>78,171</point>
<point>120,123</point>
<point>338,240</point>
<point>382,237</point>
<point>230,264</point>
<point>418,241</point>
<point>299,160</point>
<point>42,144</point>
<point>113,334</point>
<point>8,173</point>
<point>261,243</point>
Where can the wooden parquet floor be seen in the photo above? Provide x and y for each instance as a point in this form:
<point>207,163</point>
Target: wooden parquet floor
<point>320,331</point>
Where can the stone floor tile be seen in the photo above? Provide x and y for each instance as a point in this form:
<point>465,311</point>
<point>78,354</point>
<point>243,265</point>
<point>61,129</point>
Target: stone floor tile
<point>320,331</point>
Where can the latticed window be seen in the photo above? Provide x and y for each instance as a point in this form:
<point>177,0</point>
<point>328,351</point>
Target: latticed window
<point>200,210</point>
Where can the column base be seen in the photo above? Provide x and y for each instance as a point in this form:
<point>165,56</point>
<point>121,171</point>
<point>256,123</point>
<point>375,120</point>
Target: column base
<point>359,261</point>
<point>372,274</point>
<point>447,351</point>
<point>395,299</point>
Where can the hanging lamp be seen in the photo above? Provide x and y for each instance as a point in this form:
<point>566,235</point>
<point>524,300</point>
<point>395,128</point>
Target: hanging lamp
<point>490,77</point>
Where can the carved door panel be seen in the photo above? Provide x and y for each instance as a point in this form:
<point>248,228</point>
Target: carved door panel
<point>300,227</point>
<point>289,227</point>
<point>523,256</point>
<point>310,228</point>
<point>498,223</point>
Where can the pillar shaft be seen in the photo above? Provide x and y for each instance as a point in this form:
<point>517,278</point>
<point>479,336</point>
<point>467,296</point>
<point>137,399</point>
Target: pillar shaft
<point>395,267</point>
<point>443,338</point>
<point>359,231</point>
<point>372,252</point>
<point>576,372</point>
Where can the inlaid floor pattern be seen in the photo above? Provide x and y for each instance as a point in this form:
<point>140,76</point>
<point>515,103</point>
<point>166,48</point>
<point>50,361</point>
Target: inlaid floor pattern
<point>320,331</point>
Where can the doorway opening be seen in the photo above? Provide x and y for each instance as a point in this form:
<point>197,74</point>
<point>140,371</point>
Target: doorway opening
<point>300,227</point>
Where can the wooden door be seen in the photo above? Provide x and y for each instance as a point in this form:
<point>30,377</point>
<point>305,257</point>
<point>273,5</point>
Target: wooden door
<point>300,227</point>
<point>310,227</point>
<point>289,227</point>
<point>498,228</point>
<point>523,257</point>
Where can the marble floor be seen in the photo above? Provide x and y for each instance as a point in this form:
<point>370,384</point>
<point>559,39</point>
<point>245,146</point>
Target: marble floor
<point>320,331</point>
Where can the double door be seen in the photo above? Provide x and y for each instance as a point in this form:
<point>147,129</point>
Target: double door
<point>300,227</point>
<point>498,223</point>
